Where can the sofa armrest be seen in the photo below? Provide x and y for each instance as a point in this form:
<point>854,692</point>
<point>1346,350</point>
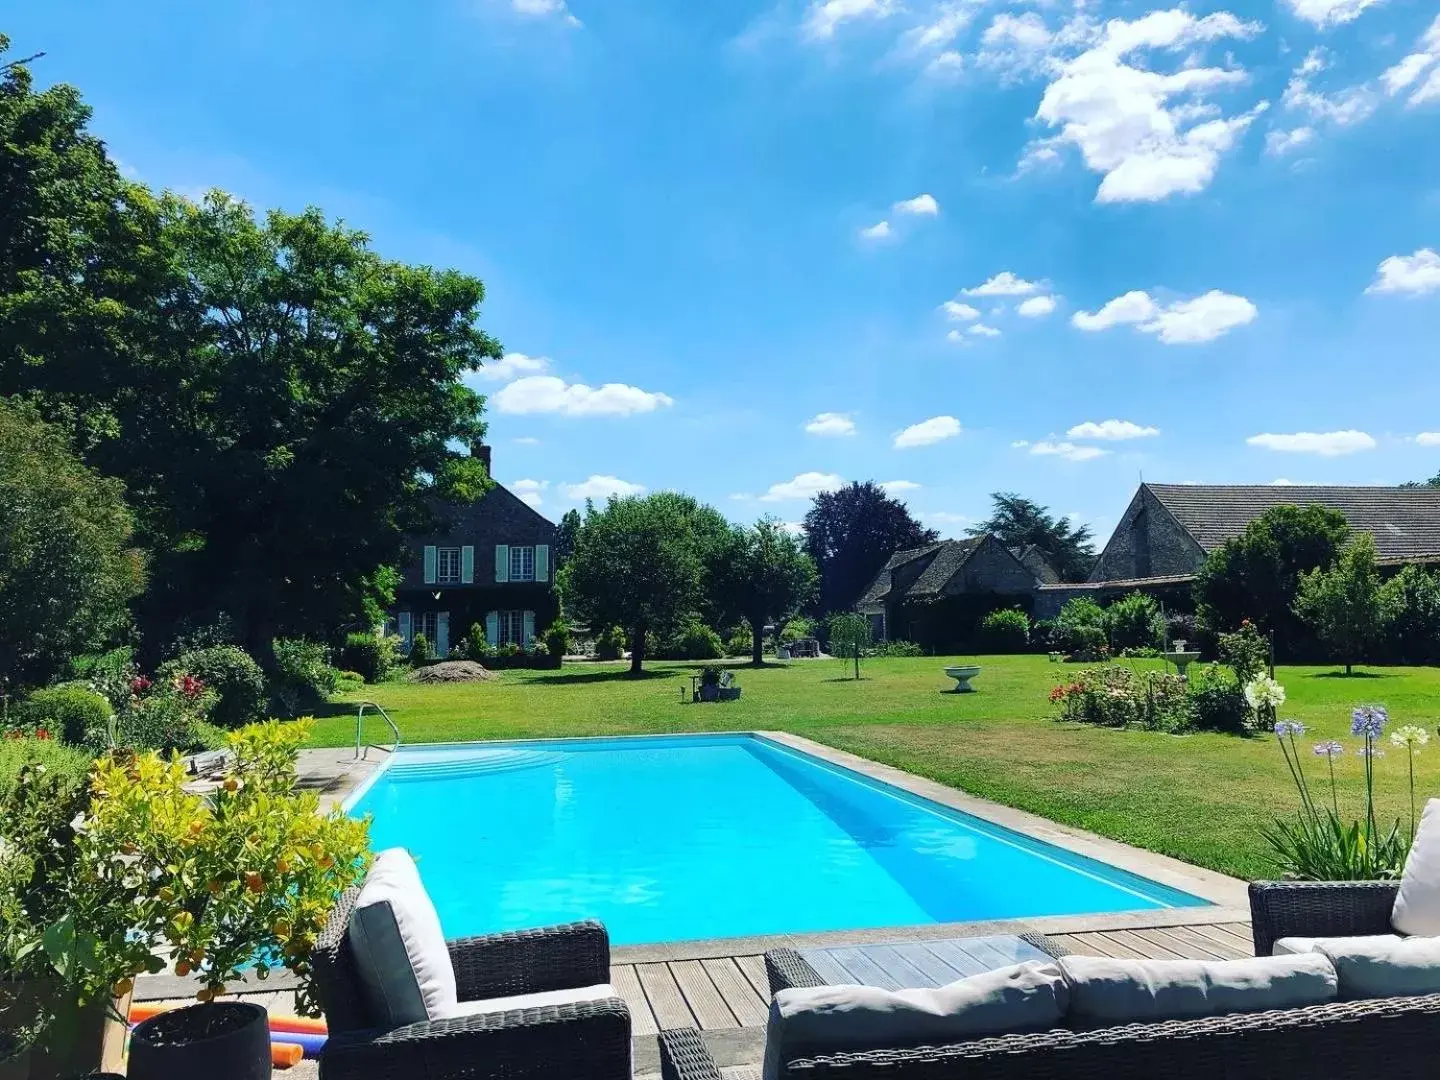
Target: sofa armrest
<point>530,961</point>
<point>588,1040</point>
<point>787,969</point>
<point>683,1056</point>
<point>1318,909</point>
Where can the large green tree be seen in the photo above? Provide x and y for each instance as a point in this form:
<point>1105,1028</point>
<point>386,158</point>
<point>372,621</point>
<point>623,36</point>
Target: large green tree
<point>850,533</point>
<point>765,575</point>
<point>1433,482</point>
<point>1018,522</point>
<point>1343,605</point>
<point>643,564</point>
<point>1256,576</point>
<point>1411,603</point>
<point>67,565</point>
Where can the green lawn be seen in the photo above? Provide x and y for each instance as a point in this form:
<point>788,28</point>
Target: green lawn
<point>1199,797</point>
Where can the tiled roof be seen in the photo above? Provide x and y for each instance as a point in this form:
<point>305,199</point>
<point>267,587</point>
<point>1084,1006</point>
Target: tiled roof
<point>952,555</point>
<point>1122,583</point>
<point>880,587</point>
<point>1404,521</point>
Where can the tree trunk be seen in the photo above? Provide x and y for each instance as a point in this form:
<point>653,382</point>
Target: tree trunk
<point>757,640</point>
<point>637,650</point>
<point>1349,668</point>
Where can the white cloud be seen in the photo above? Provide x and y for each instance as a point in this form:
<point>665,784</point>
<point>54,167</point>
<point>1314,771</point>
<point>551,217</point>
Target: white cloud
<point>949,21</point>
<point>832,424</point>
<point>1112,430</point>
<point>1018,44</point>
<point>1342,107</point>
<point>1326,13</point>
<point>1037,307</point>
<point>1326,444</point>
<point>1067,450</point>
<point>530,491</point>
<point>1184,322</point>
<point>1279,143</point>
<point>927,432</point>
<point>1418,273</point>
<point>525,440</point>
<point>602,487</point>
<point>824,16</point>
<point>512,366</point>
<point>1150,134</point>
<point>948,65</point>
<point>545,8</point>
<point>1407,72</point>
<point>1004,284</point>
<point>895,487</point>
<point>794,528</point>
<point>1428,438</point>
<point>550,394</point>
<point>982,330</point>
<point>959,312</point>
<point>921,204</point>
<point>879,231</point>
<point>805,486</point>
<point>945,517</point>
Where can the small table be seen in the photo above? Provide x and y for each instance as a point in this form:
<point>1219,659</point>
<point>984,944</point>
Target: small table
<point>904,965</point>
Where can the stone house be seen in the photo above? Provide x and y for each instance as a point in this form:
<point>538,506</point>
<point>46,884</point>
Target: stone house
<point>491,563</point>
<point>936,594</point>
<point>1168,531</point>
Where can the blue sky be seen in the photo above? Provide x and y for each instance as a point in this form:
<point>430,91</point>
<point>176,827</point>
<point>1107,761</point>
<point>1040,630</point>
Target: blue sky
<point>1192,242</point>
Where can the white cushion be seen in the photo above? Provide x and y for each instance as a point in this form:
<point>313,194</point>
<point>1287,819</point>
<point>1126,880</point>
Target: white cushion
<point>1289,946</point>
<point>822,1018</point>
<point>1417,905</point>
<point>399,949</point>
<point>1376,967</point>
<point>1293,945</point>
<point>598,992</point>
<point>1125,991</point>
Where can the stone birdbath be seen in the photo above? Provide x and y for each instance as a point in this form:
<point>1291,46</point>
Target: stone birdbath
<point>1181,656</point>
<point>962,676</point>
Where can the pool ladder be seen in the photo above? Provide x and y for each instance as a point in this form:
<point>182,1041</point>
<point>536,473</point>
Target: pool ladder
<point>362,749</point>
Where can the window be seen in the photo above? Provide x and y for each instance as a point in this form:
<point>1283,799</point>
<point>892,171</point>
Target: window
<point>425,623</point>
<point>512,627</point>
<point>447,568</point>
<point>522,564</point>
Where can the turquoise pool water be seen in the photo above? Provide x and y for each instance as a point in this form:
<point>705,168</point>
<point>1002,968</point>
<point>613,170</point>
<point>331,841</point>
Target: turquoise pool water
<point>670,838</point>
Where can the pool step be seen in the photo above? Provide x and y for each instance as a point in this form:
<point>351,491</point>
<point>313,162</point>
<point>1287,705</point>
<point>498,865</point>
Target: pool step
<point>423,766</point>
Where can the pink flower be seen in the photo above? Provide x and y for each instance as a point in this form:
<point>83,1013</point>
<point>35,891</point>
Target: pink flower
<point>139,684</point>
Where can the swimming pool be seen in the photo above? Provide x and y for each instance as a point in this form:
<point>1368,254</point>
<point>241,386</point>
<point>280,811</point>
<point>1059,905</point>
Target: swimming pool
<point>669,838</point>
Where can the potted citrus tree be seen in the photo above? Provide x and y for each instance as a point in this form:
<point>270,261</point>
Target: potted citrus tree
<point>240,881</point>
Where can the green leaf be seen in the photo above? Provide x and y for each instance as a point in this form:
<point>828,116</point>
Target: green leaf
<point>59,942</point>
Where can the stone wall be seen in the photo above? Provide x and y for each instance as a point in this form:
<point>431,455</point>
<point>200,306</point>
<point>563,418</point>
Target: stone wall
<point>1148,542</point>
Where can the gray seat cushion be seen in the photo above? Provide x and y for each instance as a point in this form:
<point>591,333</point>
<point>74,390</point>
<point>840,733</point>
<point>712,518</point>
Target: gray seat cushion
<point>826,1018</point>
<point>1127,991</point>
<point>1377,967</point>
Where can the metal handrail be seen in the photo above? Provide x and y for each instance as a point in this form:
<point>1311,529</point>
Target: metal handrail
<point>362,751</point>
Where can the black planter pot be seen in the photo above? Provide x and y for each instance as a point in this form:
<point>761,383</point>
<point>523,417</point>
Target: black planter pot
<point>226,1040</point>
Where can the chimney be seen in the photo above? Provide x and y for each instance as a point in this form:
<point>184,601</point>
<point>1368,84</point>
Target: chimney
<point>482,452</point>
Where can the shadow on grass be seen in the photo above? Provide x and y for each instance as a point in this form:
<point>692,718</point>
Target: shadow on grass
<point>1352,675</point>
<point>622,675</point>
<point>846,678</point>
<point>330,709</point>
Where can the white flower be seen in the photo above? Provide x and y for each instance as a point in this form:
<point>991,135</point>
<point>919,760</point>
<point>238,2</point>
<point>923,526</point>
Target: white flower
<point>7,850</point>
<point>78,822</point>
<point>1262,691</point>
<point>1410,736</point>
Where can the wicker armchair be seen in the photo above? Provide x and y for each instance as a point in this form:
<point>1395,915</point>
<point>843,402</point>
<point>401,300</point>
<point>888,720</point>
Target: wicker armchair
<point>577,1041</point>
<point>1280,909</point>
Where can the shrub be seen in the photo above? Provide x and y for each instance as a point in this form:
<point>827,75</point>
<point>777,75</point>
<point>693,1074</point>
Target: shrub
<point>741,642</point>
<point>538,649</point>
<point>420,651</point>
<point>796,629</point>
<point>69,713</point>
<point>610,645</point>
<point>1115,696</point>
<point>1182,627</point>
<point>69,764</point>
<point>1082,611</point>
<point>230,673</point>
<point>1046,634</point>
<point>695,641</point>
<point>1005,631</point>
<point>1135,622</point>
<point>1411,602</point>
<point>374,656</point>
<point>303,675</point>
<point>162,716</point>
<point>896,648</point>
<point>477,644</point>
<point>347,682</point>
<point>1246,651</point>
<point>507,650</point>
<point>1085,644</point>
<point>1217,700</point>
<point>557,638</point>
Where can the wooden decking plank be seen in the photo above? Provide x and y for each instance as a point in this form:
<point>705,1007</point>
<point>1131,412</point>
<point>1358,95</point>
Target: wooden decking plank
<point>753,968</point>
<point>1241,931</point>
<point>1165,938</point>
<point>1076,944</point>
<point>864,970</point>
<point>899,968</point>
<point>748,1006</point>
<point>664,996</point>
<point>704,1000</point>
<point>828,967</point>
<point>1219,949</point>
<point>1150,950</point>
<point>922,959</point>
<point>956,957</point>
<point>1113,947</point>
<point>627,985</point>
<point>1216,933</point>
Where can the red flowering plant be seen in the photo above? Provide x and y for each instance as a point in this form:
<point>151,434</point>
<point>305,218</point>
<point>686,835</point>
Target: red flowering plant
<point>155,714</point>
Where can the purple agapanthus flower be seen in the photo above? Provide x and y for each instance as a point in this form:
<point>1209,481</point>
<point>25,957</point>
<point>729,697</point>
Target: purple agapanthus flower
<point>1369,721</point>
<point>1329,749</point>
<point>1289,727</point>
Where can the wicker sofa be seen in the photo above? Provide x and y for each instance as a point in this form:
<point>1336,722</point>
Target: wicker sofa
<point>1392,1037</point>
<point>577,1041</point>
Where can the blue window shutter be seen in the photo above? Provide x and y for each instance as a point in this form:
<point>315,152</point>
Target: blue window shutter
<point>442,634</point>
<point>467,566</point>
<point>529,630</point>
<point>492,627</point>
<point>404,621</point>
<point>431,559</point>
<point>502,563</point>
<point>542,562</point>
